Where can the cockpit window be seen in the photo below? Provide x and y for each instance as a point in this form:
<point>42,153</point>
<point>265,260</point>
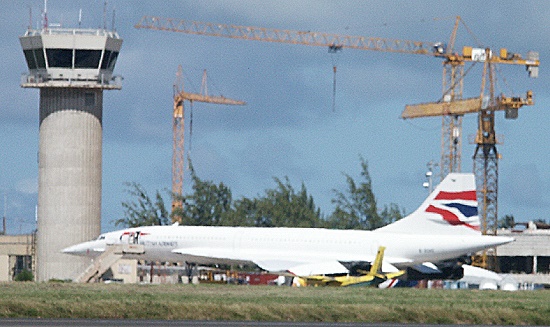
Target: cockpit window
<point>101,237</point>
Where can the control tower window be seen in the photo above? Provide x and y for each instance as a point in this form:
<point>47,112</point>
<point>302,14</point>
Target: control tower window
<point>112,61</point>
<point>39,55</point>
<point>109,60</point>
<point>87,58</point>
<point>60,58</point>
<point>29,56</point>
<point>35,58</point>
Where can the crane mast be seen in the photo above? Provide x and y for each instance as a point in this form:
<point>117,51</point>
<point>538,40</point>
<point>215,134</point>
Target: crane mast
<point>486,156</point>
<point>451,124</point>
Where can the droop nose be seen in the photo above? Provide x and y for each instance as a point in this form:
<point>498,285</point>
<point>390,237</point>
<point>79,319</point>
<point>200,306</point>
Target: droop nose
<point>71,250</point>
<point>78,249</point>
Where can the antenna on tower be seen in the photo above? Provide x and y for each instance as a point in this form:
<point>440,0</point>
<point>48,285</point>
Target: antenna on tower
<point>30,18</point>
<point>45,15</point>
<point>113,20</point>
<point>79,18</point>
<point>105,14</point>
<point>4,217</point>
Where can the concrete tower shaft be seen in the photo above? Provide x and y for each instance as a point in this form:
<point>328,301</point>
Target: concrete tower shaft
<point>71,67</point>
<point>69,185</point>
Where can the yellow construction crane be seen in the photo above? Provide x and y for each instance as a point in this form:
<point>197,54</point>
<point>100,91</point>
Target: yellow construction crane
<point>486,155</point>
<point>453,65</point>
<point>452,107</point>
<point>178,159</point>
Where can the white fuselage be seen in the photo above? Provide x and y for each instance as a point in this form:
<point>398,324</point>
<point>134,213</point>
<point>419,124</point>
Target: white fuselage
<point>242,244</point>
<point>445,226</point>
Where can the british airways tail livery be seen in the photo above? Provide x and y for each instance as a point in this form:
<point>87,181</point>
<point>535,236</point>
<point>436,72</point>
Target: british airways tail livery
<point>445,227</point>
<point>451,209</point>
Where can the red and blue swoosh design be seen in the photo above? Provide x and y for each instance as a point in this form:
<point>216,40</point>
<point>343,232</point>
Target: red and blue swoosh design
<point>466,210</point>
<point>465,195</point>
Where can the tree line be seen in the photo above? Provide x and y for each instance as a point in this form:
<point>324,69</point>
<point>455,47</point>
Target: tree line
<point>211,204</point>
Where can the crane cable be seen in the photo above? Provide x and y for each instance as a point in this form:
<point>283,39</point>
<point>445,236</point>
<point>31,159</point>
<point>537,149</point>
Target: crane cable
<point>190,127</point>
<point>333,50</point>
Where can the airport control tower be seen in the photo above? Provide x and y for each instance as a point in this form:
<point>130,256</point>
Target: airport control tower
<point>71,67</point>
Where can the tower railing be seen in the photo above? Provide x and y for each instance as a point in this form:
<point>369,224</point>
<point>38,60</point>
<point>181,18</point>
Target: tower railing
<point>102,81</point>
<point>71,31</point>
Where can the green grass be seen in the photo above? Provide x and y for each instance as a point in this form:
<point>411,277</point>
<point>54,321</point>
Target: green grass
<point>271,303</point>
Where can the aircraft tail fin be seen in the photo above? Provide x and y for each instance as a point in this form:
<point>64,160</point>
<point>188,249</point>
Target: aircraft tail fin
<point>451,209</point>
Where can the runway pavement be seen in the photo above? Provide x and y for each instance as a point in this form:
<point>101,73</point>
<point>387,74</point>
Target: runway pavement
<point>194,323</point>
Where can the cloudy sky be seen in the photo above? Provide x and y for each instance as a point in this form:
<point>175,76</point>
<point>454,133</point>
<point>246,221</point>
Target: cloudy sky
<point>288,128</point>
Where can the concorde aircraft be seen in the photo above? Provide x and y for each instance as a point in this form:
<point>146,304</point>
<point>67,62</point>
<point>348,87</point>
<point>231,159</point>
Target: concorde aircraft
<point>445,227</point>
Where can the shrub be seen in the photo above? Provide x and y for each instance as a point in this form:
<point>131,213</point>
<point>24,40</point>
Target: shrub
<point>24,276</point>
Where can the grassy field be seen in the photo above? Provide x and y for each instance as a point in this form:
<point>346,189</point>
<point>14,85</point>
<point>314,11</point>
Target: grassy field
<point>271,303</point>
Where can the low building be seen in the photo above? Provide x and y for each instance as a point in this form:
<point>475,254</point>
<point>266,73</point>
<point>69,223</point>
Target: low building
<point>16,255</point>
<point>528,257</point>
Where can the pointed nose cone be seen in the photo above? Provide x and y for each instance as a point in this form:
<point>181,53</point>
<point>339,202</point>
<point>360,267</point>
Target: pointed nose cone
<point>78,249</point>
<point>74,250</point>
<point>83,249</point>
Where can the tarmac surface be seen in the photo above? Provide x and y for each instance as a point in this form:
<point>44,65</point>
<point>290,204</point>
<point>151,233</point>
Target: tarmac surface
<point>193,323</point>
